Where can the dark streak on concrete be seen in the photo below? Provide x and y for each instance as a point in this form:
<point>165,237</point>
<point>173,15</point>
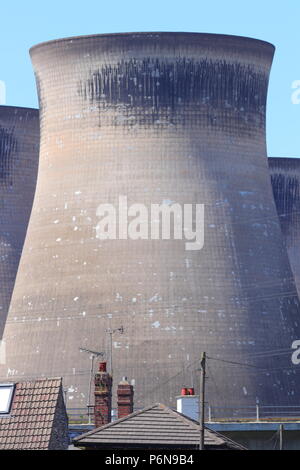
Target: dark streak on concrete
<point>8,146</point>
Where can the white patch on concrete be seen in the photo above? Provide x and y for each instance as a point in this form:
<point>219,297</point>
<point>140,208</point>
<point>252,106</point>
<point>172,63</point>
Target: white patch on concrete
<point>155,298</point>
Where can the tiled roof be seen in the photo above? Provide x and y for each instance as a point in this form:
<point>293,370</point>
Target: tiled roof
<point>155,425</point>
<point>29,425</point>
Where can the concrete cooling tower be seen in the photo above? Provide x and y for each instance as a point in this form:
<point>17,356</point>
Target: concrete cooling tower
<point>285,177</point>
<point>172,120</point>
<point>19,150</point>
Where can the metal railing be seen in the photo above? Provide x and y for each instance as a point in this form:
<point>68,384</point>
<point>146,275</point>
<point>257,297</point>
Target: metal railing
<point>86,415</point>
<point>258,413</point>
<point>80,416</point>
<point>214,414</point>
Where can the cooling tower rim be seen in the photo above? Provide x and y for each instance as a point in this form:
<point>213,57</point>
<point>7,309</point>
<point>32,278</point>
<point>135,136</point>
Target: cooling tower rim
<point>20,108</point>
<point>164,33</point>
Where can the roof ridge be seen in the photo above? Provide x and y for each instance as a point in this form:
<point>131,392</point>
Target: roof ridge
<point>191,422</point>
<point>207,429</point>
<point>225,438</point>
<point>117,421</point>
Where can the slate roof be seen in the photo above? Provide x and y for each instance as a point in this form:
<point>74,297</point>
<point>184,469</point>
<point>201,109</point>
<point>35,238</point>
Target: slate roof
<point>30,423</point>
<point>156,425</point>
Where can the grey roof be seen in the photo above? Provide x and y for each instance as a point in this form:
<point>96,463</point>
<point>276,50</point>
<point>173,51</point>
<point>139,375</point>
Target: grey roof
<point>154,425</point>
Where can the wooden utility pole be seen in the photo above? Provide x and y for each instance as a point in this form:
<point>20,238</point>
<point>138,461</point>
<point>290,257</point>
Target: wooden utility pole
<point>281,428</point>
<point>202,401</point>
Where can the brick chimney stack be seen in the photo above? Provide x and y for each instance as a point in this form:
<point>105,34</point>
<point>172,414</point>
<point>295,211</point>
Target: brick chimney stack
<point>103,388</point>
<point>125,398</point>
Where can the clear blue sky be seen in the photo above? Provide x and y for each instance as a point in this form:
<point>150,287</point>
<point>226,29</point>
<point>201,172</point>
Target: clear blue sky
<point>27,22</point>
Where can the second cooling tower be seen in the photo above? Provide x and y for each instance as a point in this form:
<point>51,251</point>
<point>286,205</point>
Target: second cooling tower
<point>156,118</point>
<point>285,177</point>
<point>19,151</point>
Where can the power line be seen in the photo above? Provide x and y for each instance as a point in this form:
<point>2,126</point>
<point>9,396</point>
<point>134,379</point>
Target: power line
<point>262,369</point>
<point>235,363</point>
<point>161,384</point>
